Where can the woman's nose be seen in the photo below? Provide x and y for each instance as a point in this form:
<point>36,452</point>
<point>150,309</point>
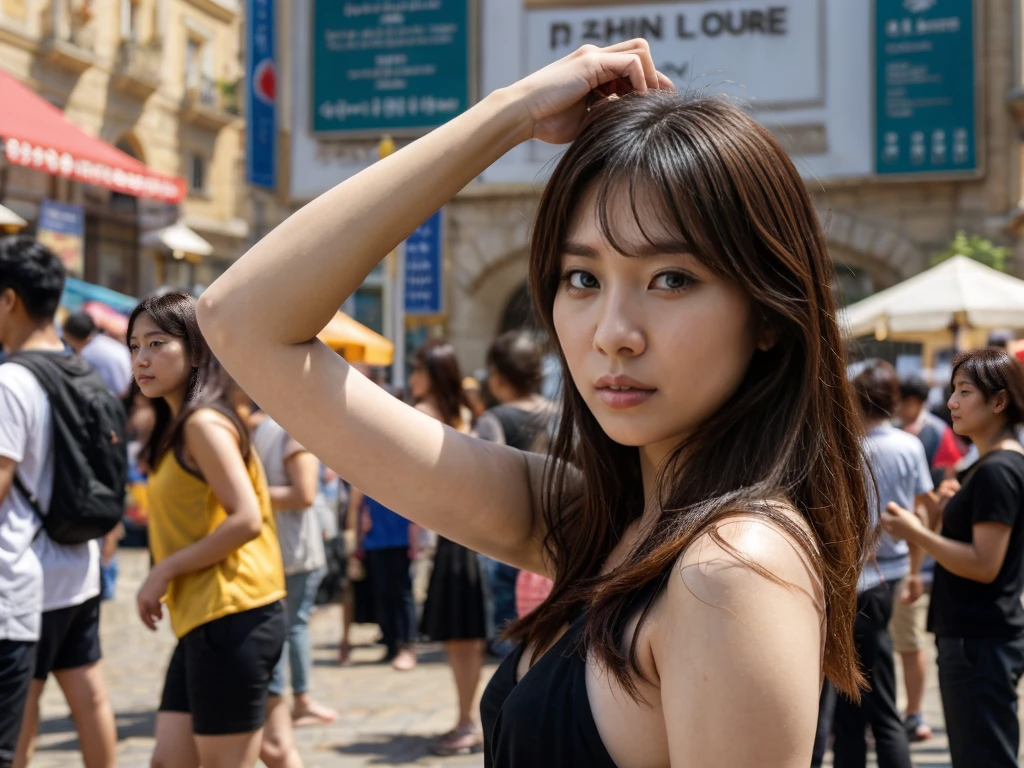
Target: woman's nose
<point>618,332</point>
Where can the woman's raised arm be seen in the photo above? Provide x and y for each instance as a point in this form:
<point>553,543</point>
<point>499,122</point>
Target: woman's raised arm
<point>261,315</point>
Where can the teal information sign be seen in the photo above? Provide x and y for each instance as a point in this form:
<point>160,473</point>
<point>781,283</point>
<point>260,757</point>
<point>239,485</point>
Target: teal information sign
<point>925,90</point>
<point>389,66</point>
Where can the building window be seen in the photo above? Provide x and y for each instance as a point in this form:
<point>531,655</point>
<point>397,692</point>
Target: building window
<point>199,67</point>
<point>130,20</point>
<point>193,61</point>
<point>197,174</point>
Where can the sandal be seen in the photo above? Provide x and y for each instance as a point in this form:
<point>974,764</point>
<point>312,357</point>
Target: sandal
<point>404,661</point>
<point>344,652</point>
<point>462,741</point>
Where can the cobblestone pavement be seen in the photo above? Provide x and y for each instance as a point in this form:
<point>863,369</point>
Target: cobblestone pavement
<point>386,718</point>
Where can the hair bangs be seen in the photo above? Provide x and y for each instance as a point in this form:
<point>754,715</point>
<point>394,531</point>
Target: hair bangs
<point>662,216</point>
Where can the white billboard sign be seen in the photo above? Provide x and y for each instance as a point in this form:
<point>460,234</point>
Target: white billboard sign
<point>769,53</point>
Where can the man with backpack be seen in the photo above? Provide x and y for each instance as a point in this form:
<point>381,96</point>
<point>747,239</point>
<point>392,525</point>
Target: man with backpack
<point>58,479</point>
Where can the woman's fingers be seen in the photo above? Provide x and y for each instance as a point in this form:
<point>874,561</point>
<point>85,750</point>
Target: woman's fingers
<point>150,614</point>
<point>641,49</point>
<point>664,83</point>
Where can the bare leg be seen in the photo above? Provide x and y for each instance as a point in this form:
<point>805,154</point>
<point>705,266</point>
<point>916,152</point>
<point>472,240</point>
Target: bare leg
<point>236,750</point>
<point>915,667</point>
<point>348,607</point>
<point>278,748</point>
<point>86,694</point>
<point>29,725</point>
<point>175,745</point>
<point>466,658</point>
<point>915,671</point>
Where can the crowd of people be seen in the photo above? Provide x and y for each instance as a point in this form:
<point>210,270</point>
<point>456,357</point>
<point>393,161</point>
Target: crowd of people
<point>664,583</point>
<point>241,520</point>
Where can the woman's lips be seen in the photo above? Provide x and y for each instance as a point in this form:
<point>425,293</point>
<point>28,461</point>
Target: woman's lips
<point>624,398</point>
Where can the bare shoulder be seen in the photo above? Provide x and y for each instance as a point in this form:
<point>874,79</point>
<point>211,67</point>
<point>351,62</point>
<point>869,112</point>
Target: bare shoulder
<point>746,572</point>
<point>752,551</point>
<point>205,424</point>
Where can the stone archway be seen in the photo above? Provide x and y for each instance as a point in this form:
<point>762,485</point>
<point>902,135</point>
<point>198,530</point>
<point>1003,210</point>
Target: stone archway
<point>884,254</point>
<point>477,314</point>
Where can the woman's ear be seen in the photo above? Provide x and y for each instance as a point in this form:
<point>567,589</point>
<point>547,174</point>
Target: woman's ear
<point>999,402</point>
<point>767,337</point>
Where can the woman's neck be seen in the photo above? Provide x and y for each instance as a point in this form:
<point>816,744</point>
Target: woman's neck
<point>992,439</point>
<point>175,402</point>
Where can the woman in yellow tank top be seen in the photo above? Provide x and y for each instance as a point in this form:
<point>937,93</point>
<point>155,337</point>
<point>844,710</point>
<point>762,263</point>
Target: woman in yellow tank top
<point>217,563</point>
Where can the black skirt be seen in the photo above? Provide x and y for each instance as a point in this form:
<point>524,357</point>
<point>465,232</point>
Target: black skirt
<point>457,598</point>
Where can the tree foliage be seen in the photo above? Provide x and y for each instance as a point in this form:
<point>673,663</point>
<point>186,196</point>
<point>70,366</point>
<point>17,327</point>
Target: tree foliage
<point>975,247</point>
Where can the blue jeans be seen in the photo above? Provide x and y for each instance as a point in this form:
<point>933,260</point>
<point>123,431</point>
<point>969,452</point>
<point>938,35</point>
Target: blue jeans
<point>301,596</point>
<point>502,580</point>
<point>108,579</point>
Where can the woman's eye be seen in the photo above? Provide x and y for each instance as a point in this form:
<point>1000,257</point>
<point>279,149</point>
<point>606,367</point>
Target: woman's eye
<point>578,280</point>
<point>672,281</point>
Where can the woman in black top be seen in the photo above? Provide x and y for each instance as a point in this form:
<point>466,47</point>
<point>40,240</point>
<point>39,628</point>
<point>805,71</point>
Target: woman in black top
<point>704,574</point>
<point>976,612</point>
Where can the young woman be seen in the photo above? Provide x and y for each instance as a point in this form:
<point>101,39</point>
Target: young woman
<point>217,564</point>
<point>976,611</point>
<point>521,419</point>
<point>456,610</point>
<point>703,514</point>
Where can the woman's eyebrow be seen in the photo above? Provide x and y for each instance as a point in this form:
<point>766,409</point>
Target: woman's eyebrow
<point>573,248</point>
<point>646,249</point>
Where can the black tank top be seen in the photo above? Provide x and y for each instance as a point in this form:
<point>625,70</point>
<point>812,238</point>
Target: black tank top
<point>544,721</point>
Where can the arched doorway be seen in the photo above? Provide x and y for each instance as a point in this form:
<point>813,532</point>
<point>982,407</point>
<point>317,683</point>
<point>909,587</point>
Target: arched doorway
<point>518,313</point>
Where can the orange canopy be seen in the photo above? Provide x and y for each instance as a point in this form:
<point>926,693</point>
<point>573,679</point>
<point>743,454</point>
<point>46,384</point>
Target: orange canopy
<point>355,342</point>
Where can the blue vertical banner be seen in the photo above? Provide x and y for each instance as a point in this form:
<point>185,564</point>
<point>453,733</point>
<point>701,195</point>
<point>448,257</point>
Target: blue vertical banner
<point>925,91</point>
<point>423,284</point>
<point>260,96</point>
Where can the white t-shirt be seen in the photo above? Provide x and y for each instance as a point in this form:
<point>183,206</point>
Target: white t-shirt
<point>112,361</point>
<point>25,438</point>
<point>72,573</point>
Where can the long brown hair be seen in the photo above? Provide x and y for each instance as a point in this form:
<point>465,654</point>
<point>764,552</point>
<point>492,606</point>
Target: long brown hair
<point>175,315</point>
<point>437,359</point>
<point>789,432</point>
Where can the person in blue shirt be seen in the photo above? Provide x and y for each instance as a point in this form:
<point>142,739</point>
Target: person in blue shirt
<point>388,546</point>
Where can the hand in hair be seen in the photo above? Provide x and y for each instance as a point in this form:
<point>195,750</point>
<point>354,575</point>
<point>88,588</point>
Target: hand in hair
<point>556,97</point>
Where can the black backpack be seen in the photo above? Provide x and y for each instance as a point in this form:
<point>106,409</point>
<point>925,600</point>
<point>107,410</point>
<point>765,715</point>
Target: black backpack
<point>90,458</point>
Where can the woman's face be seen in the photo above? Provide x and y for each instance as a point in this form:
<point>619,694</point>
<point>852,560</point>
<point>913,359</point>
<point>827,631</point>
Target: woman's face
<point>971,415</point>
<point>419,382</point>
<point>655,344</point>
<point>160,362</point>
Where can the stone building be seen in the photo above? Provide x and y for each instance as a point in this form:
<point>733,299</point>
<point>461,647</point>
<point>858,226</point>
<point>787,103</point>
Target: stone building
<point>880,229</point>
<point>159,80</point>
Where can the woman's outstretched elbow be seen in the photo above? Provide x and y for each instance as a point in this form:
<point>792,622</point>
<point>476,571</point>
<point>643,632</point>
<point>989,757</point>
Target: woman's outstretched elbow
<point>209,315</point>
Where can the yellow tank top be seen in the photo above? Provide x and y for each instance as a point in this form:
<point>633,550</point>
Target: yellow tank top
<point>184,509</point>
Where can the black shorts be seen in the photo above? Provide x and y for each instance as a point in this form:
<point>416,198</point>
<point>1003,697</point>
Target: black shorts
<point>220,671</point>
<point>17,663</point>
<point>70,638</point>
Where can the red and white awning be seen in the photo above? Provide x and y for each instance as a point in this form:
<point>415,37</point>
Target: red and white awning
<point>37,135</point>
